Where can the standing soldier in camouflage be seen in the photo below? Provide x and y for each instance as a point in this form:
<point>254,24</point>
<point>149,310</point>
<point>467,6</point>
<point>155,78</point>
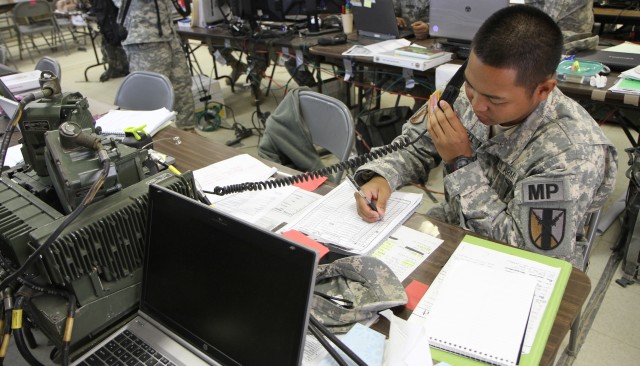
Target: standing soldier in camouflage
<point>575,18</point>
<point>524,164</point>
<point>414,13</point>
<point>106,14</point>
<point>152,44</point>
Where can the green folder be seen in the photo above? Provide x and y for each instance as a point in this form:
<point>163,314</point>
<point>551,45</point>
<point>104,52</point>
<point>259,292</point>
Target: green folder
<point>540,341</point>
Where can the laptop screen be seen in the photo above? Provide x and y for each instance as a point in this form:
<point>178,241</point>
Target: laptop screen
<point>237,293</point>
<point>377,21</point>
<point>460,19</point>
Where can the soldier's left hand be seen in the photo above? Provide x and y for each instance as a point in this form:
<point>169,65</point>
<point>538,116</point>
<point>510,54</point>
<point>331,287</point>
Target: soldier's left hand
<point>447,132</point>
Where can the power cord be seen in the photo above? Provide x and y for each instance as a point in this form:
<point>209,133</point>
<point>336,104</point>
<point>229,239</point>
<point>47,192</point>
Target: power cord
<point>241,133</point>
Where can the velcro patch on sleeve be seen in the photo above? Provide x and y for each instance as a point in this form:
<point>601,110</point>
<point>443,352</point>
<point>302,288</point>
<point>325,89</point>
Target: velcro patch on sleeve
<point>543,191</point>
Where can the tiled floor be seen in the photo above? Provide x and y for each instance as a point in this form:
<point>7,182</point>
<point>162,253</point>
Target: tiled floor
<point>613,336</point>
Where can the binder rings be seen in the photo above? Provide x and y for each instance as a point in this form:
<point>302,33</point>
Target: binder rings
<point>520,259</point>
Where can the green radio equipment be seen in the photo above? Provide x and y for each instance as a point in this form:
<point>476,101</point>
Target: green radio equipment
<point>73,216</point>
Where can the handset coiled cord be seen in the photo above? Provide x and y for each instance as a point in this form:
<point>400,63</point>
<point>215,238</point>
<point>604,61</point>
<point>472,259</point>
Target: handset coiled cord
<point>450,94</point>
<point>352,163</point>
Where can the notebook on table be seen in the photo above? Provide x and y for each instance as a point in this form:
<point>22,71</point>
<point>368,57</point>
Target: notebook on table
<point>215,290</point>
<point>378,21</point>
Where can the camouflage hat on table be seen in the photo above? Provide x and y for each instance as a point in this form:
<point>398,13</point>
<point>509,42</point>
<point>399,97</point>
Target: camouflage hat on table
<point>353,289</point>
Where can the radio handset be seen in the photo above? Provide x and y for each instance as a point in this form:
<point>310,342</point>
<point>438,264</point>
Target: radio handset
<point>450,94</point>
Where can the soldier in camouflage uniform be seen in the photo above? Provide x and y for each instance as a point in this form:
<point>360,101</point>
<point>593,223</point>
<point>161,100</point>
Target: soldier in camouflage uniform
<point>106,14</point>
<point>116,58</point>
<point>153,45</point>
<point>414,13</point>
<point>524,164</point>
<point>575,18</point>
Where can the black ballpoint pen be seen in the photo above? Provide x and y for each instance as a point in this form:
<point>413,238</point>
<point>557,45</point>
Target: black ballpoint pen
<point>359,191</point>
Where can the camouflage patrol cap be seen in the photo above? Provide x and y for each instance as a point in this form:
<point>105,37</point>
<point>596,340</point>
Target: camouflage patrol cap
<point>352,289</point>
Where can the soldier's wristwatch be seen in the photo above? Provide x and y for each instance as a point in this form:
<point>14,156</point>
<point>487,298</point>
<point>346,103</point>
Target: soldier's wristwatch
<point>458,163</point>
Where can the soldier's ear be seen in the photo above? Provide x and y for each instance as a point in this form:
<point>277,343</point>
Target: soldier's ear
<point>545,88</point>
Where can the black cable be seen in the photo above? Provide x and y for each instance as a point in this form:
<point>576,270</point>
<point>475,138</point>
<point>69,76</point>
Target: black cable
<point>325,344</point>
<point>18,330</point>
<point>449,95</point>
<point>68,220</point>
<point>352,163</point>
<point>71,311</point>
<point>6,334</point>
<point>66,338</point>
<point>343,347</point>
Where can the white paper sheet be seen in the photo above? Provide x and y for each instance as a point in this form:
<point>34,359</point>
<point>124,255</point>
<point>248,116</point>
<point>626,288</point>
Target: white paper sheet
<point>333,219</point>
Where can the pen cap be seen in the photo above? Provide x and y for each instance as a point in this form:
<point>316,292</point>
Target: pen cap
<point>352,289</point>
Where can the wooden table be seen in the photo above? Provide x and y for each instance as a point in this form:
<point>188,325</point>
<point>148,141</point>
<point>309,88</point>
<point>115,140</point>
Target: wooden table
<point>196,152</point>
<point>603,98</point>
<point>615,16</point>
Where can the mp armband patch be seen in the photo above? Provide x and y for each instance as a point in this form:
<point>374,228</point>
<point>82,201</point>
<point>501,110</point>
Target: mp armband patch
<point>545,211</point>
<point>543,191</point>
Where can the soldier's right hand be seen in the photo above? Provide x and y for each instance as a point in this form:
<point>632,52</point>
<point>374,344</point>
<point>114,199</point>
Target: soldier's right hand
<point>378,191</point>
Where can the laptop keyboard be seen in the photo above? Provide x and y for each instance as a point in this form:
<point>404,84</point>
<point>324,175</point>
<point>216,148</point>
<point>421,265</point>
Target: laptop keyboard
<point>126,350</point>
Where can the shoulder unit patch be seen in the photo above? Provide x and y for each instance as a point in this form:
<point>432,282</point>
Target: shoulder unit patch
<point>546,227</point>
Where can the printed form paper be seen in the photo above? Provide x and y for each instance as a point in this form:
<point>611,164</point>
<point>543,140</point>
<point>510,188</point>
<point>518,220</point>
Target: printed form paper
<point>405,250</point>
<point>544,275</point>
<point>269,208</point>
<point>334,220</point>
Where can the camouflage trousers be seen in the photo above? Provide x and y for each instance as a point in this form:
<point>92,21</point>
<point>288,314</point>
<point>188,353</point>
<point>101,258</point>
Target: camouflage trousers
<point>167,58</point>
<point>258,63</point>
<point>116,58</point>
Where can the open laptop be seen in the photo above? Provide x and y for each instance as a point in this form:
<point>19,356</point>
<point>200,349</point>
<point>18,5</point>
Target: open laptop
<point>459,20</point>
<point>378,21</point>
<point>215,290</point>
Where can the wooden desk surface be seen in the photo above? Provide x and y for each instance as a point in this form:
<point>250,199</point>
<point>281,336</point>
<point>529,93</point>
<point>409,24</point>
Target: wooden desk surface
<point>220,36</point>
<point>573,90</point>
<point>613,13</point>
<point>196,152</point>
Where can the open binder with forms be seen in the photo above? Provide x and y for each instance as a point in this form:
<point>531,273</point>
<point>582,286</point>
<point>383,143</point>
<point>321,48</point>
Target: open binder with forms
<point>465,332</point>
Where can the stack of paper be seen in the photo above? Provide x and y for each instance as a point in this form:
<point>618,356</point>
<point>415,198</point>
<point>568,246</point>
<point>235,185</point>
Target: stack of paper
<point>376,48</point>
<point>333,220</point>
<point>629,83</point>
<point>116,121</point>
<point>551,276</point>
<point>410,62</point>
<point>626,86</point>
<point>401,53</point>
<point>267,209</point>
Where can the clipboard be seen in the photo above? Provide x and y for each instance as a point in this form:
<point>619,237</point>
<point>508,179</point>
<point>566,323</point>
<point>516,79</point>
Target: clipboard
<point>548,318</point>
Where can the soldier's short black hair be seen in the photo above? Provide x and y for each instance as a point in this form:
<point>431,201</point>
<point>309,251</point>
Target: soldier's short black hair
<point>522,38</point>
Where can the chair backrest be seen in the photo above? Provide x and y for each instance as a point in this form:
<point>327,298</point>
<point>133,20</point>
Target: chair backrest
<point>590,237</point>
<point>27,12</point>
<point>330,123</point>
<point>145,90</point>
<point>49,64</point>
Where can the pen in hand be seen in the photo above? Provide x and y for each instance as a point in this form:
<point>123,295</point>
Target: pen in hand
<point>359,191</point>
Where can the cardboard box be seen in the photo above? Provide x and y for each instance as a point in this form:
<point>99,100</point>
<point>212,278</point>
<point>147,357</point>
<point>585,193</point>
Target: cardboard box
<point>202,83</point>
